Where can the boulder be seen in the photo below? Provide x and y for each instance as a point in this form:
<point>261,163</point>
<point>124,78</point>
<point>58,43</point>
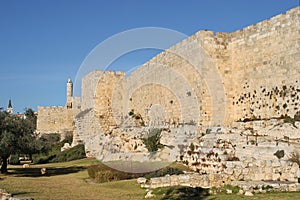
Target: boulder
<point>149,195</point>
<point>248,193</point>
<point>141,180</point>
<point>43,171</point>
<point>26,165</point>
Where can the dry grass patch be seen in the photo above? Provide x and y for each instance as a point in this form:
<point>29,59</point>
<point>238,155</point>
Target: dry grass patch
<point>65,181</point>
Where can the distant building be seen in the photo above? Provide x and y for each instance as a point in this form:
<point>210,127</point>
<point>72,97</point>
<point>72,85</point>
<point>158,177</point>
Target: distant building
<point>9,107</point>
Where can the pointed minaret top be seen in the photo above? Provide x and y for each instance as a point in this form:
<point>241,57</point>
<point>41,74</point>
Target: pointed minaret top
<point>69,80</point>
<point>9,107</point>
<point>9,104</point>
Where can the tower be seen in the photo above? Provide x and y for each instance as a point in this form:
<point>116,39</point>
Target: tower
<point>69,93</point>
<point>9,107</point>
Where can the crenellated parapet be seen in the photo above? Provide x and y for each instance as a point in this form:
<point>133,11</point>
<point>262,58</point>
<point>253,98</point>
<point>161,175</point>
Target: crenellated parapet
<point>59,119</point>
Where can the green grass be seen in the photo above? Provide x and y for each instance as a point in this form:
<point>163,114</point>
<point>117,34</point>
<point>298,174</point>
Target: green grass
<point>69,181</point>
<point>65,181</point>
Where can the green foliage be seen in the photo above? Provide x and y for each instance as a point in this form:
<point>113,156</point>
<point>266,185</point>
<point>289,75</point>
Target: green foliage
<point>288,119</point>
<point>152,140</point>
<point>16,136</point>
<point>106,176</point>
<point>192,147</point>
<point>297,116</point>
<point>267,187</point>
<point>30,116</point>
<point>181,193</point>
<point>74,153</point>
<point>234,189</point>
<point>49,142</point>
<point>43,159</point>
<point>295,157</point>
<point>101,173</point>
<point>55,155</point>
<point>131,113</point>
<point>14,159</point>
<point>92,170</point>
<point>208,131</point>
<point>68,139</point>
<point>51,150</point>
<point>163,172</point>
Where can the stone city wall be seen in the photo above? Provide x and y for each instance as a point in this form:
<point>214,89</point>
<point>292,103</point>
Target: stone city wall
<point>253,73</point>
<point>55,120</point>
<point>208,79</point>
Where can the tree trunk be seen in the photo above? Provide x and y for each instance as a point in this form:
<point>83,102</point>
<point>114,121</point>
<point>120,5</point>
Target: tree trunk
<point>4,164</point>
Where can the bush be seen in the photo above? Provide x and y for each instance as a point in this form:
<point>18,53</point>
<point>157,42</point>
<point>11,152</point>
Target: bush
<point>106,176</point>
<point>152,140</point>
<point>295,157</point>
<point>297,116</point>
<point>92,170</point>
<point>74,153</point>
<point>56,155</point>
<point>102,173</point>
<point>234,189</point>
<point>182,193</point>
<point>44,159</point>
<point>68,139</point>
<point>163,172</point>
<point>14,159</point>
<point>288,119</point>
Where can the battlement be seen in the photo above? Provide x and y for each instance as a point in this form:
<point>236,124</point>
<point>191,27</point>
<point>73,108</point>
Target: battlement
<point>48,109</point>
<point>105,73</point>
<point>266,27</point>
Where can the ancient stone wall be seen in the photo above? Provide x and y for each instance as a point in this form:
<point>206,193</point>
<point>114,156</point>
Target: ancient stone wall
<point>55,120</point>
<point>207,80</point>
<point>251,73</point>
<point>59,119</point>
<point>106,85</point>
<point>265,68</point>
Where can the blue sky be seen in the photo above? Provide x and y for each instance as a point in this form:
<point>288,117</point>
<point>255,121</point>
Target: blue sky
<point>42,43</point>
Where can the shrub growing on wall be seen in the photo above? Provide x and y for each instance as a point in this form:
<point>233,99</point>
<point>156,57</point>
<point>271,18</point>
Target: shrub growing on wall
<point>152,140</point>
<point>297,116</point>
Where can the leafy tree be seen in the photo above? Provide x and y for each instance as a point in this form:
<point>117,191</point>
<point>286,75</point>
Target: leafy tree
<point>16,136</point>
<point>31,117</point>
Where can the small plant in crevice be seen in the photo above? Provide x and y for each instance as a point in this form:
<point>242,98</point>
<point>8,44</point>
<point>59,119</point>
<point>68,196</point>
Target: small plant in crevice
<point>152,140</point>
<point>192,147</point>
<point>295,157</point>
<point>208,131</point>
<point>297,116</point>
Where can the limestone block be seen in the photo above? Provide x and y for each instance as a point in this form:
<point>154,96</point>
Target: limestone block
<point>141,180</point>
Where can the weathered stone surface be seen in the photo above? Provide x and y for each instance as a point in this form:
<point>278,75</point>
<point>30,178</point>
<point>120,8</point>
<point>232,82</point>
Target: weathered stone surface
<point>248,193</point>
<point>223,100</point>
<point>149,195</point>
<point>141,180</point>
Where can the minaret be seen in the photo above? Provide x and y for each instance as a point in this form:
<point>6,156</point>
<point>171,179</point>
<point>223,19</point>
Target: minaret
<point>69,93</point>
<point>9,107</point>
